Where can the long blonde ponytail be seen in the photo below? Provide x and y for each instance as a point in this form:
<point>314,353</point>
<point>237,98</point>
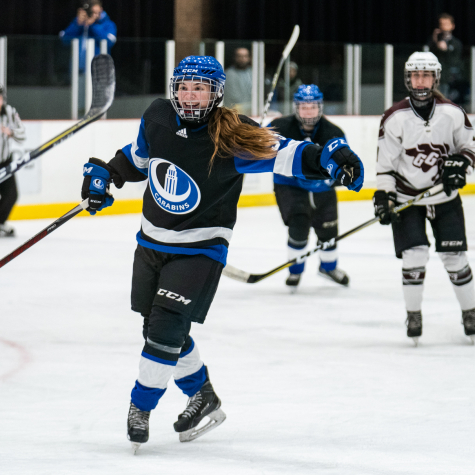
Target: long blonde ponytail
<point>233,137</point>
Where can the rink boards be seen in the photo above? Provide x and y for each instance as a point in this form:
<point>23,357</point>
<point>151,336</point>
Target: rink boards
<point>50,186</point>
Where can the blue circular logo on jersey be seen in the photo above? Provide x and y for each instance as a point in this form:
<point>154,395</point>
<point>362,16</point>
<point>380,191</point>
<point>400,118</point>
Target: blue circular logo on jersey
<point>172,188</point>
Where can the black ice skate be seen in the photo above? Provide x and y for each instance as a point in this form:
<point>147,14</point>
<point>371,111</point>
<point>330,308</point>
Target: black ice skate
<point>6,231</point>
<point>204,403</point>
<point>337,275</point>
<point>293,281</point>
<point>137,426</point>
<point>414,325</point>
<point>468,320</point>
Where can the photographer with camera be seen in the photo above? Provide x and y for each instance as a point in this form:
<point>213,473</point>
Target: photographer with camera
<point>91,22</point>
<point>448,50</point>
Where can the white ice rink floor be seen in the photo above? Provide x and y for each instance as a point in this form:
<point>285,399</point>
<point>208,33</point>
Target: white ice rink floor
<point>321,382</point>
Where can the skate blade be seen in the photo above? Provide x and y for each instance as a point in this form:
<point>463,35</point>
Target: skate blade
<point>135,447</point>
<point>472,339</point>
<point>326,276</point>
<point>415,339</point>
<point>293,290</point>
<point>216,418</point>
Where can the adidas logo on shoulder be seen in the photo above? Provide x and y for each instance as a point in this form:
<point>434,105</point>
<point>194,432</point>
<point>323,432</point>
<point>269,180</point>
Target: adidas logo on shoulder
<point>182,133</point>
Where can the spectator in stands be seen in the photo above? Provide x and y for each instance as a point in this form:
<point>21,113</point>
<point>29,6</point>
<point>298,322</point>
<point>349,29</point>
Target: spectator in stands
<point>294,84</point>
<point>448,50</point>
<point>11,128</point>
<point>239,82</point>
<point>91,22</point>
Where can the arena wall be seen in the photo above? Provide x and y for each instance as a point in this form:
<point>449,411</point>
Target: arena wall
<point>51,185</point>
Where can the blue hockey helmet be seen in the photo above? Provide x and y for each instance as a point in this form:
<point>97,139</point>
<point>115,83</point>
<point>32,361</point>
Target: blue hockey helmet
<point>308,94</point>
<point>208,78</point>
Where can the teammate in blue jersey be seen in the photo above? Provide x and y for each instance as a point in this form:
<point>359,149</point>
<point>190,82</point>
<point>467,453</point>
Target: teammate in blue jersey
<point>307,203</point>
<point>194,154</point>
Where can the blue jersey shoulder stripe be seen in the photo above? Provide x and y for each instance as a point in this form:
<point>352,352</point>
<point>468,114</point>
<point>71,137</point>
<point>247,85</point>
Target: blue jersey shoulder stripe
<point>128,153</point>
<point>284,142</point>
<point>137,151</point>
<point>254,166</point>
<point>297,163</point>
<point>142,150</point>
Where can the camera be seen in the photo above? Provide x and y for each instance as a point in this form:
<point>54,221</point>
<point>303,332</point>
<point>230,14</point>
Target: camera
<point>88,8</point>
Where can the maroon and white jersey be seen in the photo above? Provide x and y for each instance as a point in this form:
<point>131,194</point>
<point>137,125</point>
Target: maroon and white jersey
<point>411,150</point>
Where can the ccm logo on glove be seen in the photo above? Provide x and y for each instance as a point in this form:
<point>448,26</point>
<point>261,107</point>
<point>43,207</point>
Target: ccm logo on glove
<point>335,144</point>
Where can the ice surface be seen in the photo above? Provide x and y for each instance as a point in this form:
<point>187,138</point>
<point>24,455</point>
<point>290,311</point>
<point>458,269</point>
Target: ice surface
<point>321,382</point>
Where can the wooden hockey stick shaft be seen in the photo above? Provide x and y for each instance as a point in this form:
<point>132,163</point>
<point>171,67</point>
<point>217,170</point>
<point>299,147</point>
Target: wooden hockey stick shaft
<point>285,54</point>
<point>44,232</point>
<point>248,278</point>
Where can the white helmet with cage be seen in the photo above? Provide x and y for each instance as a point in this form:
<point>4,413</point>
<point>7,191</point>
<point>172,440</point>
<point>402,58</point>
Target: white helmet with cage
<point>422,61</point>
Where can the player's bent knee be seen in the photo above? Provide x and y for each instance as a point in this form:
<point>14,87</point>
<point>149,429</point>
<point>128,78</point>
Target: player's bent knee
<point>456,265</point>
<point>415,257</point>
<point>453,261</point>
<point>168,327</point>
<point>328,231</point>
<point>299,227</point>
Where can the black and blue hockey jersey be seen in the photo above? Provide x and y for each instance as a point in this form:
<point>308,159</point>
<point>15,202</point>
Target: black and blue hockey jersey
<point>323,131</point>
<point>189,208</point>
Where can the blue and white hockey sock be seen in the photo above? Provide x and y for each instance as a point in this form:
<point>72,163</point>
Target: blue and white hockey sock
<point>156,367</point>
<point>328,259</point>
<point>295,250</point>
<point>190,371</point>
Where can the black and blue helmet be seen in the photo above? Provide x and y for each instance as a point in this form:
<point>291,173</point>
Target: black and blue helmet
<point>199,69</point>
<point>308,93</point>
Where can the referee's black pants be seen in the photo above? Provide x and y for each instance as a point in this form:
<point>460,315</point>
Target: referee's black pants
<point>8,198</point>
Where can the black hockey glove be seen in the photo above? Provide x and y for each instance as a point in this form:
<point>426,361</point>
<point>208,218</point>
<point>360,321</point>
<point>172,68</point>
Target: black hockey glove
<point>383,206</point>
<point>454,171</point>
<point>97,179</point>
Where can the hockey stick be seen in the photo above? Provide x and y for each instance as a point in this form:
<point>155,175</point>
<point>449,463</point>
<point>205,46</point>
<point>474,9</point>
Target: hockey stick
<point>103,87</point>
<point>285,54</point>
<point>43,233</point>
<point>248,278</point>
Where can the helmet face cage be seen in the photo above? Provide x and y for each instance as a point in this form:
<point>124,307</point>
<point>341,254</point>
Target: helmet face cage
<point>308,94</point>
<point>309,121</point>
<point>202,102</point>
<point>422,62</point>
<point>201,78</point>
<point>421,94</point>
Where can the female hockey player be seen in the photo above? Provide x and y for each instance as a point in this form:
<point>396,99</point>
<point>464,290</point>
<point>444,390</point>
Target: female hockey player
<point>304,203</point>
<point>425,140</point>
<point>194,154</point>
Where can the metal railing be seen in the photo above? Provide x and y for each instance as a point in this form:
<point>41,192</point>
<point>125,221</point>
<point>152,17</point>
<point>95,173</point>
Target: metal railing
<point>347,74</point>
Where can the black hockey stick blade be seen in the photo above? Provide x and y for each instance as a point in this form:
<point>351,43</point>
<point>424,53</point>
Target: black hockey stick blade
<point>44,232</point>
<point>248,278</point>
<point>103,82</point>
<point>103,88</point>
<point>285,54</point>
